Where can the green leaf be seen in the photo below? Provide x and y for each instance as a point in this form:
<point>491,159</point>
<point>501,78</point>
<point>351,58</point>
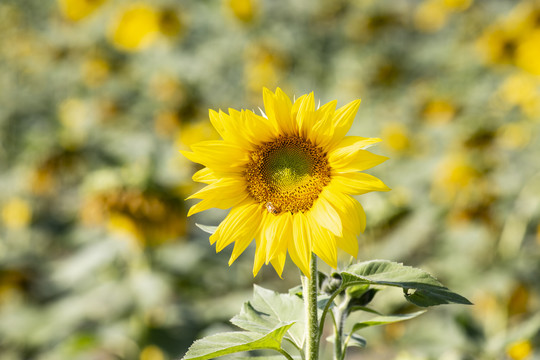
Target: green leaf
<point>270,357</point>
<point>364,308</point>
<point>419,287</point>
<point>351,340</point>
<point>232,342</point>
<point>383,320</point>
<point>356,341</point>
<point>267,309</point>
<point>207,228</point>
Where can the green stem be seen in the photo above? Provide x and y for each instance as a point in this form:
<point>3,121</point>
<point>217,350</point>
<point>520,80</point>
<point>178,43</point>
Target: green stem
<point>284,353</point>
<point>326,308</point>
<point>340,314</point>
<point>310,291</point>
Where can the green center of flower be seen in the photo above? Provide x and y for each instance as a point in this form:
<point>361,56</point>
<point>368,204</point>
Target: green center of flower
<point>287,168</point>
<point>287,174</point>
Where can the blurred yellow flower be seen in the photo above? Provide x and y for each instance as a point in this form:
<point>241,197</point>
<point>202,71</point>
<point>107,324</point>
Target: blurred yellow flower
<point>243,10</point>
<point>519,350</point>
<point>16,213</point>
<point>454,175</point>
<point>95,71</point>
<point>518,303</point>
<point>439,111</point>
<point>498,45</point>
<point>42,181</point>
<point>528,53</point>
<point>76,10</point>
<point>166,123</point>
<point>514,135</point>
<point>167,89</point>
<point>288,177</point>
<point>125,227</point>
<point>146,217</point>
<point>264,67</point>
<point>520,89</point>
<point>396,137</point>
<point>457,5</point>
<point>430,15</point>
<point>152,352</point>
<point>136,27</point>
<point>77,117</point>
<point>170,24</point>
<point>12,282</point>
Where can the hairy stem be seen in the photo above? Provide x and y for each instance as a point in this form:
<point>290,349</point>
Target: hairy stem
<point>310,291</point>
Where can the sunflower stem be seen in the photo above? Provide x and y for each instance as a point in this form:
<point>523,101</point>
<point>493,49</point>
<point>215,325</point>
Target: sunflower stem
<point>310,291</point>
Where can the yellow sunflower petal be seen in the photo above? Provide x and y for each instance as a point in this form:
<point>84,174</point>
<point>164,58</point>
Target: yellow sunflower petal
<point>223,188</point>
<point>358,183</point>
<point>218,156</point>
<point>362,160</point>
<point>323,130</point>
<point>345,151</point>
<point>326,215</point>
<point>218,203</point>
<point>300,247</point>
<point>349,244</point>
<point>278,109</point>
<point>261,241</point>
<point>205,176</point>
<point>234,130</point>
<point>306,115</point>
<point>324,242</point>
<point>343,119</point>
<point>259,128</point>
<point>239,246</point>
<point>278,262</point>
<point>241,223</point>
<point>278,234</point>
<point>216,121</point>
<point>350,211</point>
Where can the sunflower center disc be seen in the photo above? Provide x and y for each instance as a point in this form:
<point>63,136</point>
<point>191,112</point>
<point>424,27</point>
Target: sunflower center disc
<point>287,174</point>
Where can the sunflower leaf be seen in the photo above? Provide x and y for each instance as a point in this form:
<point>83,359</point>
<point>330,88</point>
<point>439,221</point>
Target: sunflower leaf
<point>269,357</point>
<point>383,320</point>
<point>238,341</point>
<point>419,287</point>
<point>267,309</point>
<point>352,340</point>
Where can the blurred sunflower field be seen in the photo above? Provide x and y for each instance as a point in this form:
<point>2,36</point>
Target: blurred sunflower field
<point>98,259</point>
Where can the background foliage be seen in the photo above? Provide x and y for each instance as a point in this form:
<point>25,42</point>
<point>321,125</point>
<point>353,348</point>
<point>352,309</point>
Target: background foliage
<point>97,259</point>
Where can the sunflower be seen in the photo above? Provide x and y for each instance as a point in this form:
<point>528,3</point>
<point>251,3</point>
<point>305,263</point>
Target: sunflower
<point>288,177</point>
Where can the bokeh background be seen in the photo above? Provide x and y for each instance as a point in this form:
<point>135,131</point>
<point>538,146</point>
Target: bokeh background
<point>97,257</point>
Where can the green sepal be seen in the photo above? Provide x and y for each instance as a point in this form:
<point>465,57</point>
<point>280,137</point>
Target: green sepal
<point>238,341</point>
<point>207,228</point>
<point>419,287</point>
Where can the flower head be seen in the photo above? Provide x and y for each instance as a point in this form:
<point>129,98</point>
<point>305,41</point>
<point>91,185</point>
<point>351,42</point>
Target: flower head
<point>288,177</point>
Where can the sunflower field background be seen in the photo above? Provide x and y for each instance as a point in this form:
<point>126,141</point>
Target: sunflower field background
<point>97,257</point>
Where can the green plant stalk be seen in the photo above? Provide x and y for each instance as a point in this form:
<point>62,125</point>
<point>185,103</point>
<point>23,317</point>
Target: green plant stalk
<point>340,315</point>
<point>310,292</point>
